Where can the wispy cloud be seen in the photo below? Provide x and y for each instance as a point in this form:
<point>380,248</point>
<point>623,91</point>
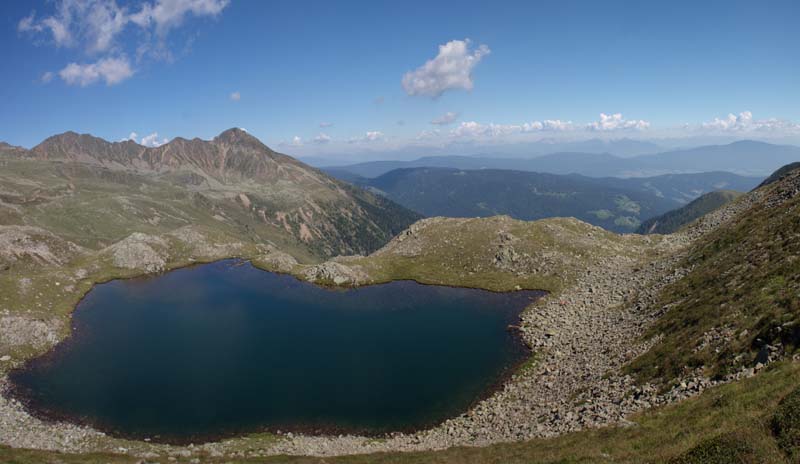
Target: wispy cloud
<point>369,136</point>
<point>445,119</point>
<point>325,124</point>
<point>450,69</point>
<point>94,27</point>
<point>235,96</point>
<point>322,138</point>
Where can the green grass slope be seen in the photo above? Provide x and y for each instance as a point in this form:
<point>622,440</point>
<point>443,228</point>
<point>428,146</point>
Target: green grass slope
<point>741,302</point>
<point>673,220</point>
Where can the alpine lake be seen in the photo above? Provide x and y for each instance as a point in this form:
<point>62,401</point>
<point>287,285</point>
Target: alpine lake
<point>221,349</point>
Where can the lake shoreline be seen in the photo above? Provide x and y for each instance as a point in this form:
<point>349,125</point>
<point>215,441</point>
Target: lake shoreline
<point>15,392</point>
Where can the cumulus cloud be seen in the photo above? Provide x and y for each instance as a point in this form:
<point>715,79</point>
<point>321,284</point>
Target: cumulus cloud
<point>47,77</point>
<point>110,70</point>
<point>445,119</point>
<point>235,96</point>
<point>325,124</point>
<point>322,138</point>
<point>744,122</point>
<point>612,122</point>
<point>492,130</point>
<point>95,25</point>
<point>557,125</point>
<point>476,129</point>
<point>152,140</point>
<point>450,69</point>
<point>297,141</point>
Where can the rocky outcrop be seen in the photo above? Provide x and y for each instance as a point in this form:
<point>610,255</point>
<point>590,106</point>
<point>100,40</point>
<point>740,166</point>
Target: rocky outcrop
<point>276,260</point>
<point>331,272</point>
<point>32,245</point>
<point>141,252</point>
<point>26,331</point>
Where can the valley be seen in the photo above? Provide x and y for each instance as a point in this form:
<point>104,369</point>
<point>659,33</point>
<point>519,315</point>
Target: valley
<point>611,349</point>
<point>616,204</point>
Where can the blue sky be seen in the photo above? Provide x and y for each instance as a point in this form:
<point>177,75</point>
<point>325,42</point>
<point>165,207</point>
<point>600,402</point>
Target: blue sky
<point>317,78</point>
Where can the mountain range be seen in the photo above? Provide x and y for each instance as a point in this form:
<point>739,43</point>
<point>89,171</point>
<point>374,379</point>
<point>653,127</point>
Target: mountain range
<point>232,183</point>
<point>743,157</point>
<point>616,204</point>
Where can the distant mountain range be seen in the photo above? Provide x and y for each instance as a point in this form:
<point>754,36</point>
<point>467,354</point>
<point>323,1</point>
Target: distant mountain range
<point>616,204</point>
<point>744,157</point>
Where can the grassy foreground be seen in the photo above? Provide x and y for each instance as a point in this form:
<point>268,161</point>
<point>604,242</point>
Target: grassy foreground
<point>730,423</point>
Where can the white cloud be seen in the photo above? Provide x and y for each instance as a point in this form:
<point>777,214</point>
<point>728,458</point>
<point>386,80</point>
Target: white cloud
<point>322,138</point>
<point>95,25</point>
<point>47,77</point>
<point>110,70</point>
<point>612,122</point>
<point>297,141</point>
<point>92,24</point>
<point>235,96</point>
<point>152,140</point>
<point>744,122</point>
<point>325,124</point>
<point>429,134</point>
<point>132,137</point>
<point>475,129</point>
<point>450,69</point>
<point>370,136</point>
<point>557,125</point>
<point>445,119</point>
<point>166,14</point>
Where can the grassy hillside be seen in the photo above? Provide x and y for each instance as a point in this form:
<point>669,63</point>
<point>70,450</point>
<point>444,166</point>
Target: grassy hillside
<point>740,305</point>
<point>497,253</point>
<point>673,220</point>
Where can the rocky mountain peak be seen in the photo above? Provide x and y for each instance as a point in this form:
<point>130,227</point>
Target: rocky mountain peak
<point>236,135</point>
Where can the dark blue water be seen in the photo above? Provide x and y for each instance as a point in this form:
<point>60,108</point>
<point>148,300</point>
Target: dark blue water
<point>225,348</point>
